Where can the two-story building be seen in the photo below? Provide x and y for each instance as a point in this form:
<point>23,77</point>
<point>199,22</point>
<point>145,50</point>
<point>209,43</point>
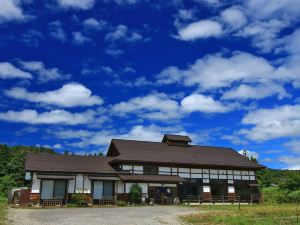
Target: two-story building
<point>167,171</point>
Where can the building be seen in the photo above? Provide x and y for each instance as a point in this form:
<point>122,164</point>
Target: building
<point>166,171</point>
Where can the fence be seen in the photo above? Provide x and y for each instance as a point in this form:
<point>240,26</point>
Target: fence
<point>106,201</point>
<point>217,199</point>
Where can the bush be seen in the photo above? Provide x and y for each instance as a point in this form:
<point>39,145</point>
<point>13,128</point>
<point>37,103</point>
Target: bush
<point>6,183</point>
<point>79,199</point>
<point>274,195</point>
<point>121,203</point>
<point>294,197</point>
<point>135,194</point>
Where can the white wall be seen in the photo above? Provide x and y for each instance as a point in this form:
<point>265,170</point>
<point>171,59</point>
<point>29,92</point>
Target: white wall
<point>36,183</point>
<point>79,183</point>
<point>87,185</point>
<point>120,187</point>
<point>71,186</point>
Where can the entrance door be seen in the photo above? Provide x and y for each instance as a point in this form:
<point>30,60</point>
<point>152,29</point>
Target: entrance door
<point>47,189</point>
<point>108,188</point>
<point>98,190</point>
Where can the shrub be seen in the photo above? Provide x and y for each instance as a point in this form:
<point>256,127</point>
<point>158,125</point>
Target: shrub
<point>294,197</point>
<point>135,194</point>
<point>274,195</point>
<point>79,199</point>
<point>121,203</point>
<point>6,183</point>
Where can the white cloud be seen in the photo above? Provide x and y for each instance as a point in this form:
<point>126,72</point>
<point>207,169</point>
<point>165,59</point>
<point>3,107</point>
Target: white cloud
<point>278,122</point>
<point>292,162</point>
<point>79,39</point>
<point>125,2</point>
<point>103,137</point>
<point>44,75</point>
<point>244,91</point>
<point>249,153</point>
<point>50,117</point>
<point>156,106</point>
<point>56,31</point>
<point>92,23</point>
<point>200,29</point>
<point>122,33</point>
<point>69,95</point>
<point>202,103</point>
<point>114,52</point>
<point>10,10</point>
<point>264,34</point>
<point>234,17</point>
<point>293,145</point>
<point>215,71</point>
<point>9,71</point>
<point>261,9</point>
<point>76,4</point>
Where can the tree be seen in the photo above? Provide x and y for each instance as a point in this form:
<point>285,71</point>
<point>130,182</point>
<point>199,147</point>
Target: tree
<point>6,183</point>
<point>135,194</point>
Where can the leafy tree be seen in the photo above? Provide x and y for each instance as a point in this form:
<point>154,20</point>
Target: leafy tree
<point>6,183</point>
<point>135,194</point>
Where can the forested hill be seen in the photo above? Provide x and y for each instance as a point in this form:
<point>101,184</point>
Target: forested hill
<point>12,159</point>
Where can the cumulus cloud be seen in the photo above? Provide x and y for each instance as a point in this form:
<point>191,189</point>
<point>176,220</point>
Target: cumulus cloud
<point>122,33</point>
<point>51,117</point>
<point>202,103</point>
<point>292,162</point>
<point>267,124</point>
<point>216,71</point>
<point>9,71</point>
<point>79,38</point>
<point>293,145</point>
<point>244,91</point>
<point>69,95</point>
<point>44,74</point>
<point>77,4</point>
<point>156,106</point>
<point>102,138</point>
<point>234,17</point>
<point>92,23</point>
<point>199,30</point>
<point>56,31</point>
<point>11,10</point>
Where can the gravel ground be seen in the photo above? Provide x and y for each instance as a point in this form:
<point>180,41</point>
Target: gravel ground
<point>145,215</point>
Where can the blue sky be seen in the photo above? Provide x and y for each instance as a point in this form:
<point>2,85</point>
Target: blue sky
<point>76,73</point>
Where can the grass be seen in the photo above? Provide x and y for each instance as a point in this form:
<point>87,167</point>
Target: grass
<point>280,214</point>
<point>3,210</point>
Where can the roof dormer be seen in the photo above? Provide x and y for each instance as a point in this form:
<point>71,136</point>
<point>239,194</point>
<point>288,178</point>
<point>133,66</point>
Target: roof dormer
<point>176,140</point>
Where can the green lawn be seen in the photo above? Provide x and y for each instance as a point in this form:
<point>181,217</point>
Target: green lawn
<point>3,210</point>
<point>283,214</point>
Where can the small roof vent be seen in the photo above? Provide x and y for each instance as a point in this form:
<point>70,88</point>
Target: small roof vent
<point>177,140</point>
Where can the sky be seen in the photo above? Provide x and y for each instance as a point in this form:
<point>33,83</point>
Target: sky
<point>76,73</point>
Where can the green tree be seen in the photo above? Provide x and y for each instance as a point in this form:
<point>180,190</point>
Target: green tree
<point>135,194</point>
<point>6,183</point>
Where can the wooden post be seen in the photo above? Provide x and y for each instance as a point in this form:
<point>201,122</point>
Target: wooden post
<point>239,203</point>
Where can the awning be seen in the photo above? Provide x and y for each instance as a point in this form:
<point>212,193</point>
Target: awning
<point>64,177</point>
<point>152,178</point>
<point>103,178</point>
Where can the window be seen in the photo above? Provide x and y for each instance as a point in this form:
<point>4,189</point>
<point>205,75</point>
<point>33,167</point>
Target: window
<point>206,189</point>
<point>133,169</point>
<point>196,173</point>
<point>150,170</point>
<point>231,189</point>
<point>165,170</point>
<point>184,172</point>
<point>53,189</point>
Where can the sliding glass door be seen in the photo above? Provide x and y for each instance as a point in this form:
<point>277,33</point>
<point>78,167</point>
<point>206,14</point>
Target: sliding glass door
<point>53,189</point>
<point>102,189</point>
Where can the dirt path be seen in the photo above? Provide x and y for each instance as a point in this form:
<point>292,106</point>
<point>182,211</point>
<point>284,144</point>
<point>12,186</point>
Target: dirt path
<point>145,215</point>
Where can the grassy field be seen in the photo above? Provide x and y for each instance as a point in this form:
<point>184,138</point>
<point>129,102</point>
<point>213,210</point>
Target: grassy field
<point>3,209</point>
<point>247,215</point>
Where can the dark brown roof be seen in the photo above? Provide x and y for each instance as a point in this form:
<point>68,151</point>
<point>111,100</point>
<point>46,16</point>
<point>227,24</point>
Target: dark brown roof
<point>44,162</point>
<point>174,137</point>
<point>151,178</point>
<point>156,152</point>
